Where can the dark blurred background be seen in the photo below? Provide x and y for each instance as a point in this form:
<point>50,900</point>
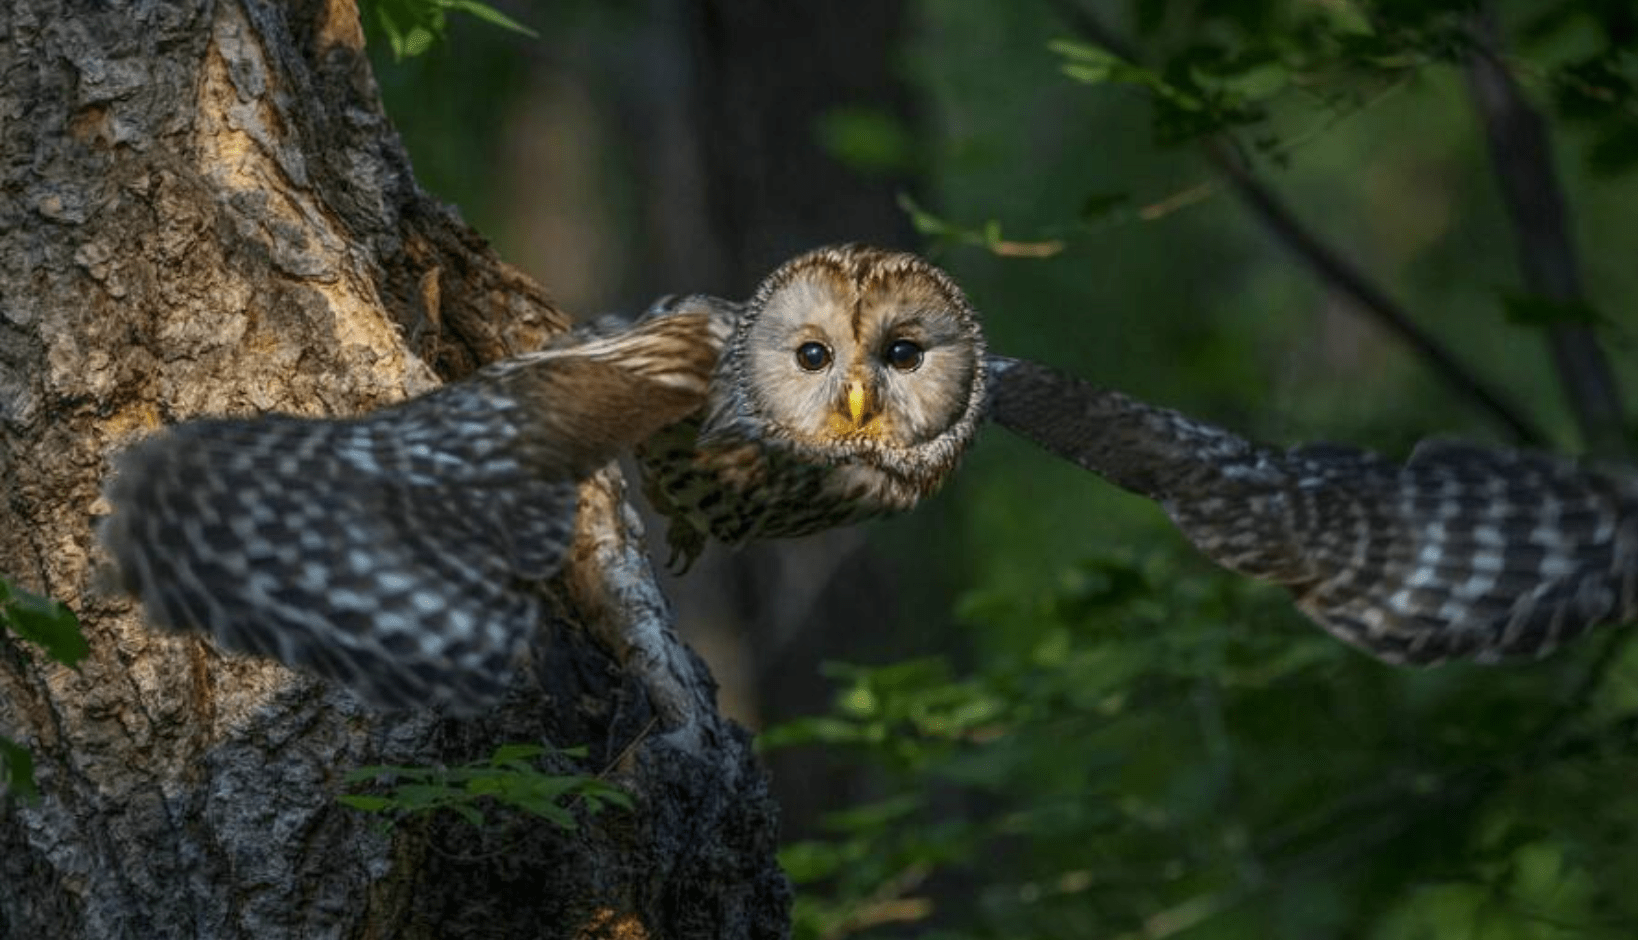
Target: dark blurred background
<point>1065,724</point>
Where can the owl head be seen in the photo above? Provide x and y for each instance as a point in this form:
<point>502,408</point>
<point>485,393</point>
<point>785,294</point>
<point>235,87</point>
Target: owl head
<point>854,355</point>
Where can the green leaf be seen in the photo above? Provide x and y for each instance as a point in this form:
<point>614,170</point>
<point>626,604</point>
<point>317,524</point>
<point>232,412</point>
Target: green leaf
<point>415,41</point>
<point>490,15</point>
<point>374,771</point>
<point>488,785</point>
<point>924,222</point>
<point>420,796</point>
<point>366,802</point>
<point>599,794</point>
<point>1095,65</point>
<point>557,816</point>
<point>506,778</point>
<point>43,621</point>
<point>1085,63</point>
<point>413,26</point>
<point>507,753</point>
<point>18,766</point>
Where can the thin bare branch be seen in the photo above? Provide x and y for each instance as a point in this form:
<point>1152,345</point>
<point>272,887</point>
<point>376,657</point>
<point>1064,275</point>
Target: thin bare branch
<point>1328,264</point>
<point>1346,278</point>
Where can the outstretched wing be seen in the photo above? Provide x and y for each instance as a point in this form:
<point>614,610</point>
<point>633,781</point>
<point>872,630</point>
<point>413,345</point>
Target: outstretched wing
<point>396,552</point>
<point>1462,551</point>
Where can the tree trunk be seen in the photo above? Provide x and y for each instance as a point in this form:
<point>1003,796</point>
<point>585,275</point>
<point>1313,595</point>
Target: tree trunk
<point>204,211</point>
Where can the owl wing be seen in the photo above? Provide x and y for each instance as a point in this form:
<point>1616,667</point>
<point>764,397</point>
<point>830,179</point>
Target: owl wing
<point>395,552</point>
<point>1462,551</point>
<point>678,476</point>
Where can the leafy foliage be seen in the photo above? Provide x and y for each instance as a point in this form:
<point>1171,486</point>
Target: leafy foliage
<point>1235,69</point>
<point>1172,748</point>
<point>1225,67</point>
<point>508,778</point>
<point>54,628</point>
<point>414,26</point>
<point>1266,78</point>
<point>1596,86</point>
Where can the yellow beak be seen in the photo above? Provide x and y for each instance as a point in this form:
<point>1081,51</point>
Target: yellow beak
<point>856,402</point>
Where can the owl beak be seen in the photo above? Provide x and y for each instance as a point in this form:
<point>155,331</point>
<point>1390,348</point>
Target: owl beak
<point>861,404</point>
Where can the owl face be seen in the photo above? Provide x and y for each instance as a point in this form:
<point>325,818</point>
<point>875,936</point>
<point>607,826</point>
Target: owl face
<point>848,387</point>
<point>857,353</point>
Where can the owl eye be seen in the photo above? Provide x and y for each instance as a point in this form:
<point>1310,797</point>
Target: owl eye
<point>904,355</point>
<point>813,356</point>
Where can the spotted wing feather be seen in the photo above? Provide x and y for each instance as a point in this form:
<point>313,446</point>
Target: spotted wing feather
<point>1463,551</point>
<point>396,553</point>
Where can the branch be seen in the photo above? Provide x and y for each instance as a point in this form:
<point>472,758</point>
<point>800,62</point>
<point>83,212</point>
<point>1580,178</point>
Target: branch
<point>1522,157</point>
<point>1345,277</point>
<point>1324,261</point>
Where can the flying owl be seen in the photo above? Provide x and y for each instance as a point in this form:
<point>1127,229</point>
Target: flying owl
<point>1462,552</point>
<point>395,552</point>
<point>849,387</point>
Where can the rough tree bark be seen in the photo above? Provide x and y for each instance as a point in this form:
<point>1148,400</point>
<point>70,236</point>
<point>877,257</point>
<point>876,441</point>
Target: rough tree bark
<point>204,211</point>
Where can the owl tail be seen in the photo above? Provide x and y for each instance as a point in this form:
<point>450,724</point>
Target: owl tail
<point>1463,551</point>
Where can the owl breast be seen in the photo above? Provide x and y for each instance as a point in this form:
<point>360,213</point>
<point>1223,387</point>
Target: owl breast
<point>736,491</point>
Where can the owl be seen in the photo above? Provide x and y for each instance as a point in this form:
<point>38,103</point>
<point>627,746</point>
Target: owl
<point>397,552</point>
<point>1462,552</point>
<point>849,386</point>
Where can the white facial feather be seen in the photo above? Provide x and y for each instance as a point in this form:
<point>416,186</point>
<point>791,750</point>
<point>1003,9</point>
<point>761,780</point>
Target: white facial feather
<point>811,308</point>
<point>857,320</point>
<point>924,402</point>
